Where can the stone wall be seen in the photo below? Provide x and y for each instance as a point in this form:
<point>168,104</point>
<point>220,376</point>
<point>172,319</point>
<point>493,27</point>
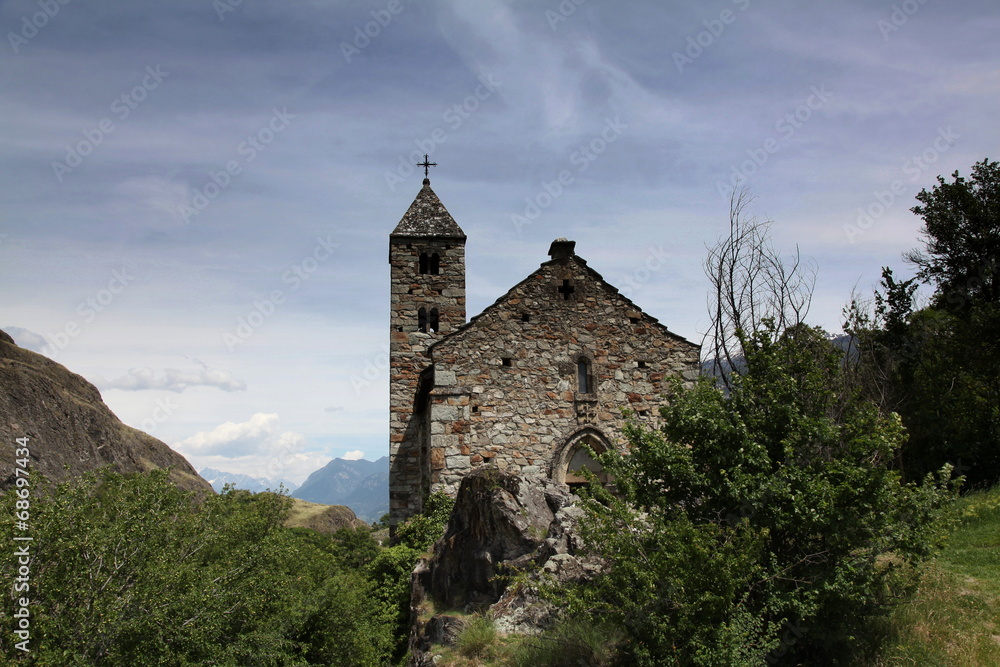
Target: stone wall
<point>506,388</point>
<point>411,291</point>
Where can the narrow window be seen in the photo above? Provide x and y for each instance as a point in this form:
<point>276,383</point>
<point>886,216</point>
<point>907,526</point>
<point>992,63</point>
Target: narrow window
<point>422,320</point>
<point>435,265</point>
<point>434,322</point>
<point>583,376</point>
<point>425,263</point>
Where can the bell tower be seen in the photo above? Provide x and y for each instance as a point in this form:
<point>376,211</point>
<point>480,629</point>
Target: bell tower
<point>427,301</point>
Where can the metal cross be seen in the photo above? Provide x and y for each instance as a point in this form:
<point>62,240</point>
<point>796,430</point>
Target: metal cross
<point>426,165</point>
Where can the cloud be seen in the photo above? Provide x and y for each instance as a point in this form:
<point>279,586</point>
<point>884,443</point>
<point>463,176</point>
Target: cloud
<point>233,439</point>
<point>255,447</point>
<point>356,455</point>
<point>29,340</point>
<point>139,379</point>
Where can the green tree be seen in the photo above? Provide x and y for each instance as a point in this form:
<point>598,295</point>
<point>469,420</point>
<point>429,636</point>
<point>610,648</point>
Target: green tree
<point>939,366</point>
<point>129,570</point>
<point>961,230</point>
<point>762,527</point>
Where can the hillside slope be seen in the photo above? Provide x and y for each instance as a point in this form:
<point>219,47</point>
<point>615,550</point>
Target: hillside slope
<point>70,429</point>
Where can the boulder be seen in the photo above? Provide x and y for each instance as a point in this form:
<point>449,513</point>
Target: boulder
<point>502,524</point>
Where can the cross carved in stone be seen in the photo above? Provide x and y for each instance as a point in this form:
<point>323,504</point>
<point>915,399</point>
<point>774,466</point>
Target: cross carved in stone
<point>566,290</point>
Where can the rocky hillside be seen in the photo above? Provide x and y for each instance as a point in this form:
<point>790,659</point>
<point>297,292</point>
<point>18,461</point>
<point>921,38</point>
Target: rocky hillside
<point>70,429</point>
<point>327,519</point>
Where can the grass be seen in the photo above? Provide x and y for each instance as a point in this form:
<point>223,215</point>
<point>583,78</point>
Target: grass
<point>955,617</point>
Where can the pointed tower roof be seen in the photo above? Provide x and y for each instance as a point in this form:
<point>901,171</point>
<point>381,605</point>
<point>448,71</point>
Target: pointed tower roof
<point>427,216</point>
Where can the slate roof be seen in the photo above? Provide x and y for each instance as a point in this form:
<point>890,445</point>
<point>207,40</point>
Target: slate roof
<point>427,216</point>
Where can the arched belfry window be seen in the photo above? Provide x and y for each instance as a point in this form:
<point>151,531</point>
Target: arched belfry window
<point>433,321</point>
<point>583,379</point>
<point>422,320</point>
<point>430,264</point>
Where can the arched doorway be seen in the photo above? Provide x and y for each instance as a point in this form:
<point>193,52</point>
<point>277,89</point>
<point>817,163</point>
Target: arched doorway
<point>574,456</point>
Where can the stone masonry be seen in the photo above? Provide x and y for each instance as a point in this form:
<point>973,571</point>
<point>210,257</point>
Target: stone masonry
<point>543,371</point>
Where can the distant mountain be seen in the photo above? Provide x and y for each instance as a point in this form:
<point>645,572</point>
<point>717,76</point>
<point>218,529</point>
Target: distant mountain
<point>219,479</point>
<point>361,485</point>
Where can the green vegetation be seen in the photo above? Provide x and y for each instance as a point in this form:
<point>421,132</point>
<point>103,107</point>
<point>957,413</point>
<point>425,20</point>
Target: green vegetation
<point>939,366</point>
<point>763,528</point>
<point>130,570</point>
<point>954,618</point>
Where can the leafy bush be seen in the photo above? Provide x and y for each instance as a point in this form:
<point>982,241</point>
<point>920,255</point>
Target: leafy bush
<point>129,570</point>
<point>758,527</point>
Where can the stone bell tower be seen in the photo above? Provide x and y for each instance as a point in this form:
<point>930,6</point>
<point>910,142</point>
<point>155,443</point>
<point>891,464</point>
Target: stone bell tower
<point>427,281</point>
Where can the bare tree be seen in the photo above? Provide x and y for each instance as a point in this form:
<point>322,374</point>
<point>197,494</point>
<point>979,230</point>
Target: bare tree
<point>750,282</point>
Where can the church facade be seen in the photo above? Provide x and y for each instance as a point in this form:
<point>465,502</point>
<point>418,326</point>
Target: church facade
<point>527,383</point>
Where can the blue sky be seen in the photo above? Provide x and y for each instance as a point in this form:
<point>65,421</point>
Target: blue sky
<point>199,192</point>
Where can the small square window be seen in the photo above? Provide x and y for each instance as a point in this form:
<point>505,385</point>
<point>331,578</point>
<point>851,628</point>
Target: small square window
<point>525,317</point>
<point>505,361</point>
<point>642,364</point>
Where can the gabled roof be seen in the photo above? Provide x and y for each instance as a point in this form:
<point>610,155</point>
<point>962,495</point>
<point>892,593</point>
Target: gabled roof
<point>427,216</point>
<point>562,253</point>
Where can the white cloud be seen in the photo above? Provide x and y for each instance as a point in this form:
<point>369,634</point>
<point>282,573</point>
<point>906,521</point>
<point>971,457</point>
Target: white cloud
<point>172,379</point>
<point>256,447</point>
<point>230,439</point>
<point>356,455</point>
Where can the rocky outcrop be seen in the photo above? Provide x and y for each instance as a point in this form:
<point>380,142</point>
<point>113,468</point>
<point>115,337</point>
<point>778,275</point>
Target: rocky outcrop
<point>502,524</point>
<point>70,429</point>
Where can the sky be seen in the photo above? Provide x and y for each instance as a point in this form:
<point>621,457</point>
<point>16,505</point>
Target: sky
<point>198,193</point>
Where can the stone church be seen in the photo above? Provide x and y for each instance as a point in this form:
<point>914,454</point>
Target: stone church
<point>525,384</point>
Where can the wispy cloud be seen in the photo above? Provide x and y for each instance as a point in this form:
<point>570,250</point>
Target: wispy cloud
<point>140,379</point>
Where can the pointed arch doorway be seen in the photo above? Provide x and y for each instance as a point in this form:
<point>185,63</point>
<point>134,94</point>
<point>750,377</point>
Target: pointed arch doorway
<point>574,456</point>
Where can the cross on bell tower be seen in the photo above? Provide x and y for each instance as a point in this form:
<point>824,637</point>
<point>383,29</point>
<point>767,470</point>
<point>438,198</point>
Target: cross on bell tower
<point>426,164</point>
